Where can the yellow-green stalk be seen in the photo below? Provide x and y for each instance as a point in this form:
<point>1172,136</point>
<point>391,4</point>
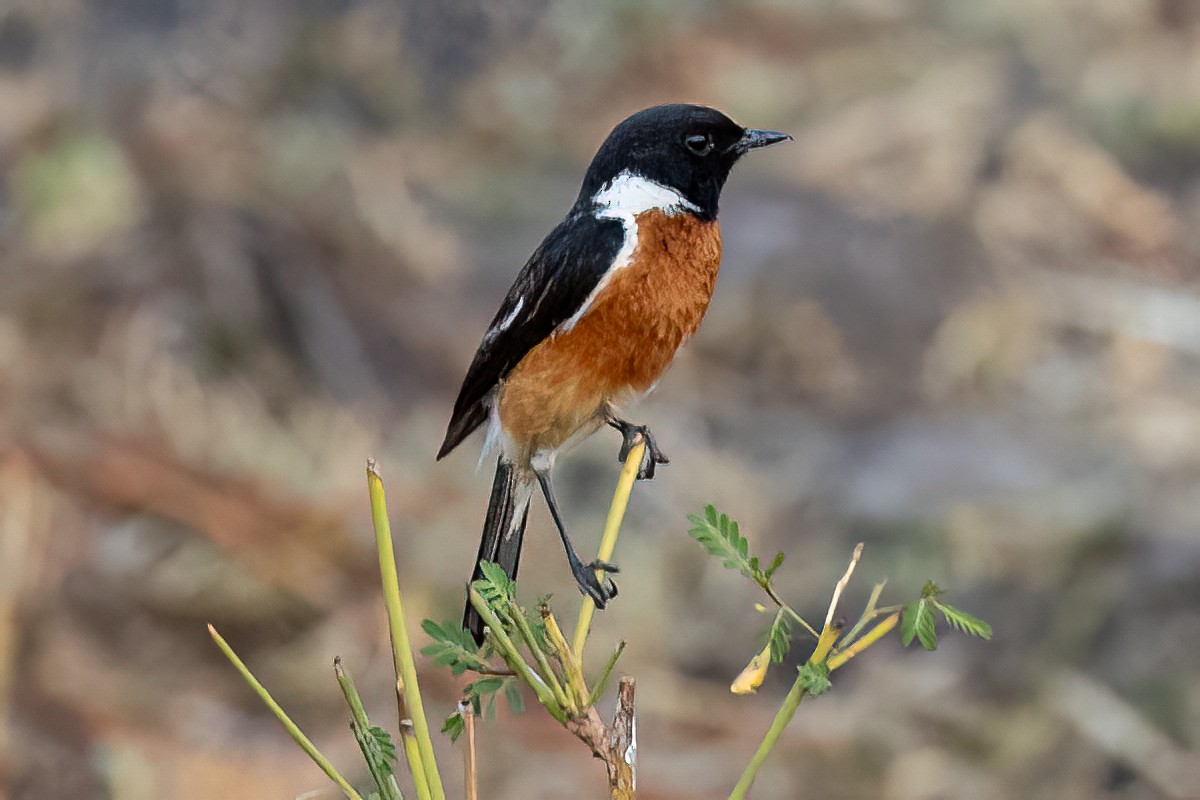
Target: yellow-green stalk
<point>424,768</point>
<point>608,542</point>
<point>293,730</point>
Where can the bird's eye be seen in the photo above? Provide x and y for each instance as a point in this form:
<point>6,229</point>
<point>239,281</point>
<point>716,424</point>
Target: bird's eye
<point>699,143</point>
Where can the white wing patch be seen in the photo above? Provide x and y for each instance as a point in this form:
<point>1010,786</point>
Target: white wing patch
<point>503,324</point>
<point>622,199</point>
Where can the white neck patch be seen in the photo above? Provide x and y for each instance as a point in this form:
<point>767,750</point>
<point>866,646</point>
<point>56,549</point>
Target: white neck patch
<point>628,195</point>
<point>622,199</point>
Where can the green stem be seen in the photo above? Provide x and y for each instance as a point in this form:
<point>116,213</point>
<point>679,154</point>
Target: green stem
<point>543,664</point>
<point>360,726</point>
<point>425,772</point>
<point>869,613</point>
<point>782,718</point>
<point>606,673</point>
<point>777,600</point>
<point>293,730</point>
<point>572,671</point>
<point>512,657</point>
<point>871,637</point>
<point>608,541</point>
<point>784,715</point>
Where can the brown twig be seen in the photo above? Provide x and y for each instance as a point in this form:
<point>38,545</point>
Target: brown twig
<point>616,744</point>
<point>470,773</point>
<point>622,744</point>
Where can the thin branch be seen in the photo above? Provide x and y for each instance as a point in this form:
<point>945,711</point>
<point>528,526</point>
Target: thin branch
<point>606,673</point>
<point>873,636</point>
<point>608,542</point>
<point>799,690</point>
<point>779,601</point>
<point>292,729</point>
<point>512,656</point>
<point>360,726</point>
<point>870,612</point>
<point>778,725</point>
<point>572,670</point>
<point>470,772</point>
<point>543,664</point>
<point>408,694</point>
<point>841,585</point>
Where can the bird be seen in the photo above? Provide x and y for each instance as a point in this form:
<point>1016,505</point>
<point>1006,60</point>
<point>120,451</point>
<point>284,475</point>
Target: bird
<point>596,316</point>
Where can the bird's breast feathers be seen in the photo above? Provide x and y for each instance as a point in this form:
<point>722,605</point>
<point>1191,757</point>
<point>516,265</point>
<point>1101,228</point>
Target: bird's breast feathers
<point>624,200</point>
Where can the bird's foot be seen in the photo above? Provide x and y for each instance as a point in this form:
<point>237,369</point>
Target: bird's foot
<point>600,590</point>
<point>631,435</point>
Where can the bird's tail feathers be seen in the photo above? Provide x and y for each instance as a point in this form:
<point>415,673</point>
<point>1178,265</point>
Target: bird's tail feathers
<point>503,529</point>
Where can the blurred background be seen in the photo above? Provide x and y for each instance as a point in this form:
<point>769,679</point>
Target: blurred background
<point>245,245</point>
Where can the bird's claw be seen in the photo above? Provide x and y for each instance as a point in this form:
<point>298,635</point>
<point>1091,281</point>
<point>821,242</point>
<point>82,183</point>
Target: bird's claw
<point>601,591</point>
<point>631,435</point>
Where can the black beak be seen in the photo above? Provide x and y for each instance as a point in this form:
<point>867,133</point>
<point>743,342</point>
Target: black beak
<point>753,139</point>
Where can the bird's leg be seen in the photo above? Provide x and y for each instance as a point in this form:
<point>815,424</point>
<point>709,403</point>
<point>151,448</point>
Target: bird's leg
<point>631,434</point>
<point>585,574</point>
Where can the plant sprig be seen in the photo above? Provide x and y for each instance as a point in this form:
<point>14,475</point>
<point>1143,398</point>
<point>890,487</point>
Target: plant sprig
<point>536,652</point>
<point>453,648</point>
<point>721,537</point>
<point>917,619</point>
<point>378,748</point>
<point>779,636</point>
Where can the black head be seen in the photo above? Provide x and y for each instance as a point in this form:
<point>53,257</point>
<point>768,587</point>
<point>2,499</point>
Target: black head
<point>686,148</point>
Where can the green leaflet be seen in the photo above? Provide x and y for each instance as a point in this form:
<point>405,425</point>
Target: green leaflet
<point>918,618</point>
<point>721,538</point>
<point>452,647</point>
<point>779,636</point>
<point>814,678</point>
<point>917,622</point>
<point>962,621</point>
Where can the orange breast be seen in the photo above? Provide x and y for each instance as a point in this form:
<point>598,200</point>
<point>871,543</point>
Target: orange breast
<point>627,339</point>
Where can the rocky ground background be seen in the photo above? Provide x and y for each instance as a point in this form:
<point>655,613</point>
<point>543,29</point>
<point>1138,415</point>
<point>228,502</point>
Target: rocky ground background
<point>243,246</point>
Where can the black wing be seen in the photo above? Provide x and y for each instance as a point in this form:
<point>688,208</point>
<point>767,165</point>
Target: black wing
<point>552,286</point>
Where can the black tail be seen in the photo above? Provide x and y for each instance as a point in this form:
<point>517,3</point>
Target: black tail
<point>503,529</point>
